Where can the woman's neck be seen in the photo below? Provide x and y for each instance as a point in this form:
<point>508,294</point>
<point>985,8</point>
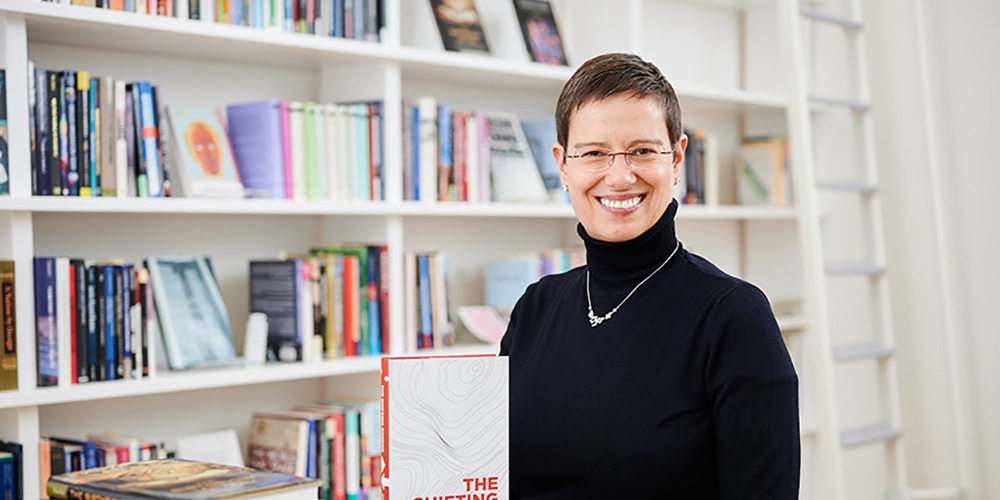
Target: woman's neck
<point>623,264</point>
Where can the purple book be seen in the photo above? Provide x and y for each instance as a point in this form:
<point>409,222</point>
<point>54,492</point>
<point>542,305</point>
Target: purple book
<point>255,135</point>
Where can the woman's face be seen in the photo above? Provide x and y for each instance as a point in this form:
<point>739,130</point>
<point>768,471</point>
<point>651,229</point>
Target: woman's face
<point>620,202</point>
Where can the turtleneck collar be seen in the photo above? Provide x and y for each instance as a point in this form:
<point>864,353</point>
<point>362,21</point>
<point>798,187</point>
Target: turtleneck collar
<point>619,264</point>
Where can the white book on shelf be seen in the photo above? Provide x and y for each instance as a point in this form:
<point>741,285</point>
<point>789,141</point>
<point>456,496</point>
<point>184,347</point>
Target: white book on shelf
<point>206,11</point>
<point>513,171</point>
<point>63,323</point>
<point>343,156</point>
<point>296,122</point>
<point>411,323</point>
<point>472,155</point>
<point>330,159</point>
<point>428,149</point>
<point>180,9</point>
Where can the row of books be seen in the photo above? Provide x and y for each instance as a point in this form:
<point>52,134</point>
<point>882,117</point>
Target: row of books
<point>332,303</point>
<point>698,183</point>
<point>476,156</point>
<point>11,470</point>
<point>305,150</point>
<point>338,443</point>
<point>427,322</point>
<point>58,455</point>
<point>90,319</point>
<point>461,29</point>
<point>352,19</point>
<point>95,136</point>
<point>505,280</point>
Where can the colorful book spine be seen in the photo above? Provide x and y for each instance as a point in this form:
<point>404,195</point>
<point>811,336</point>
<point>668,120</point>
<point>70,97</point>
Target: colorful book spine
<point>149,140</point>
<point>91,296</point>
<point>110,352</point>
<point>45,321</point>
<point>83,133</point>
<point>8,327</point>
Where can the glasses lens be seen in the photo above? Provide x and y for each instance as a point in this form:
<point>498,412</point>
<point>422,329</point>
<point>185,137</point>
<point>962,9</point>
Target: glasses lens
<point>645,158</point>
<point>594,161</point>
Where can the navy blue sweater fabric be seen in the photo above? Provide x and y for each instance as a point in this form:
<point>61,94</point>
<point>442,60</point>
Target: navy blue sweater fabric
<point>686,392</point>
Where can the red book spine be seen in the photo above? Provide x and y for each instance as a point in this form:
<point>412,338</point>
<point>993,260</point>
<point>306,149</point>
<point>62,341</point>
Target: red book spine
<point>72,326</point>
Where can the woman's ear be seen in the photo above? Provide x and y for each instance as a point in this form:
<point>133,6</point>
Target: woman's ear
<point>679,147</point>
<point>559,153</point>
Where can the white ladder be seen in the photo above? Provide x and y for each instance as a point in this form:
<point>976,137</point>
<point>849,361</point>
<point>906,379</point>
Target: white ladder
<point>819,272</point>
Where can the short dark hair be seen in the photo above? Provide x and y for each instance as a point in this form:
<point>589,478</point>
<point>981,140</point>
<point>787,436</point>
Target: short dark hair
<point>608,74</point>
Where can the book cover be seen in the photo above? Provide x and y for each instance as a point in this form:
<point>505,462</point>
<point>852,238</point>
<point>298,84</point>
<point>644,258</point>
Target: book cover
<point>8,327</point>
<point>4,163</point>
<point>47,348</point>
<point>460,27</point>
<point>762,167</point>
<point>175,479</point>
<point>202,158</point>
<point>193,319</point>
<point>513,172</point>
<point>541,34</point>
<point>445,427</point>
<point>278,443</point>
<point>16,451</point>
<point>148,139</point>
<point>541,136</point>
<point>275,290</point>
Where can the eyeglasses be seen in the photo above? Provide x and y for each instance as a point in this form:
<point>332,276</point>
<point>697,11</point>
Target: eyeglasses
<point>599,161</point>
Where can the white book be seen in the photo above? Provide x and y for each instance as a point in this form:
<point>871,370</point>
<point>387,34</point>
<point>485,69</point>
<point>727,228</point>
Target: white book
<point>121,172</point>
<point>332,151</point>
<point>64,341</point>
<point>711,163</point>
<point>428,149</point>
<point>412,321</point>
<point>319,154</point>
<point>181,9</point>
<point>351,147</point>
<point>485,181</point>
<point>296,122</point>
<point>343,157</point>
<point>513,171</point>
<point>206,11</point>
<point>447,422</point>
<point>472,158</point>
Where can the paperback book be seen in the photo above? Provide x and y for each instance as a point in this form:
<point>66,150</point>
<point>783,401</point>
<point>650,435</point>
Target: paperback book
<point>174,479</point>
<point>445,425</point>
<point>460,27</point>
<point>541,35</point>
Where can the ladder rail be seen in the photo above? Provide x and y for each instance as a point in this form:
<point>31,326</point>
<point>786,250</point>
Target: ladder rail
<point>943,257</point>
<point>887,369</point>
<point>800,135</point>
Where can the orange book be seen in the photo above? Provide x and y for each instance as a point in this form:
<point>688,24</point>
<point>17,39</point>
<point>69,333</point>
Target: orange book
<point>352,305</point>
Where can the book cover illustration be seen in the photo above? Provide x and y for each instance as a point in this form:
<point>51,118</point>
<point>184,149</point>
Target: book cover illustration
<point>460,27</point>
<point>514,174</point>
<point>175,479</point>
<point>192,315</point>
<point>445,424</point>
<point>541,35</point>
<point>203,158</point>
<point>541,136</point>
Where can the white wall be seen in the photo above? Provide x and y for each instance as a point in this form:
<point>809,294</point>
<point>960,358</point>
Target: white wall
<point>963,40</point>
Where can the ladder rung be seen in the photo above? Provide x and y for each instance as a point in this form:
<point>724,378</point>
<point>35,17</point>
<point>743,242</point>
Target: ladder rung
<point>861,187</point>
<point>935,493</point>
<point>854,105</point>
<point>826,18</point>
<point>867,435</point>
<point>861,352</point>
<point>854,269</point>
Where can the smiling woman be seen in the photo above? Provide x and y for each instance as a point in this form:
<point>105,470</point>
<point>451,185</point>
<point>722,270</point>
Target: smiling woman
<point>648,373</point>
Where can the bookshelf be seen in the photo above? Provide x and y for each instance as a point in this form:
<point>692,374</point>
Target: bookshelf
<point>206,64</point>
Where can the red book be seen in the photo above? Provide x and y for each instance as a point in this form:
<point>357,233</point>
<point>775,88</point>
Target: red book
<point>72,325</point>
<point>383,267</point>
<point>352,305</point>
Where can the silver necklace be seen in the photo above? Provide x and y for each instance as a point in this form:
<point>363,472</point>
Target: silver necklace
<point>597,320</point>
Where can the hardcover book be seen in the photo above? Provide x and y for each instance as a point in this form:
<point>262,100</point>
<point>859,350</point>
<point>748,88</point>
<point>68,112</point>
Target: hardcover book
<point>192,315</point>
<point>458,22</point>
<point>174,479</point>
<point>4,163</point>
<point>445,425</point>
<point>513,170</point>
<point>8,327</point>
<point>255,133</point>
<point>203,159</point>
<point>541,35</point>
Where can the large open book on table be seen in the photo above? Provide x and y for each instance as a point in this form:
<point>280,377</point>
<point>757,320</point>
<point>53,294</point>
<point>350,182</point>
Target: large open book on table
<point>445,425</point>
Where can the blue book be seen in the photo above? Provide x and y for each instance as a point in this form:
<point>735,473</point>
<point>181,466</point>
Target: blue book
<point>416,152</point>
<point>43,134</point>
<point>110,361</point>
<point>506,280</point>
<point>91,286</point>
<point>426,333</point>
<point>71,174</point>
<point>95,91</point>
<point>255,135</point>
<point>541,136</point>
<point>126,321</point>
<point>8,477</point>
<point>45,321</point>
<point>444,151</point>
<point>337,28</point>
<point>373,301</point>
<point>149,140</point>
<point>275,288</point>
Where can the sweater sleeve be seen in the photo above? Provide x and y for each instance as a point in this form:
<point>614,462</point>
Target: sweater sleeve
<point>754,392</point>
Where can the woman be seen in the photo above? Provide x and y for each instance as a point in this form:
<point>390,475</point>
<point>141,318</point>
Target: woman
<point>648,373</point>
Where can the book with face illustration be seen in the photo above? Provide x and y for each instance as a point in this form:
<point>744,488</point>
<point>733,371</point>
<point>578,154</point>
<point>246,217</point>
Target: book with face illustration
<point>202,155</point>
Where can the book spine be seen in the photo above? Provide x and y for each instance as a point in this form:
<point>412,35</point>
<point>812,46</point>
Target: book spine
<point>384,385</point>
<point>286,150</point>
<point>110,343</point>
<point>64,338</point>
<point>59,490</point>
<point>71,173</point>
<point>424,287</point>
<point>43,134</point>
<point>80,334</point>
<point>126,323</point>
<point>444,159</point>
<point>149,142</point>
<point>142,296</point>
<point>119,321</point>
<point>162,139</point>
<point>373,300</point>
<point>83,133</point>
<point>8,328</point>
<point>92,340</point>
<point>97,138</point>
<point>383,285</point>
<point>45,321</point>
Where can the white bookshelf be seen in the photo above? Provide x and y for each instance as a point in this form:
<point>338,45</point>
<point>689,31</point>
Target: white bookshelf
<point>205,64</point>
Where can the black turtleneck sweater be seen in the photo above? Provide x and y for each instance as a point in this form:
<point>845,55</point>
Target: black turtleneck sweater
<point>686,392</point>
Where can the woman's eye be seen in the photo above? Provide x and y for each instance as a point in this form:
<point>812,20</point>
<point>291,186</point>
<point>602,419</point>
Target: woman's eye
<point>643,152</point>
<point>592,154</point>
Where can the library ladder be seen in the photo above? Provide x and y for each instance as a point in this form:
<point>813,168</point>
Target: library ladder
<point>865,265</point>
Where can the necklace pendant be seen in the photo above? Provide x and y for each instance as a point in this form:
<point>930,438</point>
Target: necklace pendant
<point>594,320</point>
